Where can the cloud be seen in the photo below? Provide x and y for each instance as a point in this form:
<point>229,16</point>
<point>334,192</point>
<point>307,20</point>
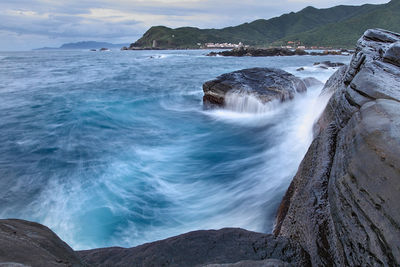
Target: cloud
<point>126,20</point>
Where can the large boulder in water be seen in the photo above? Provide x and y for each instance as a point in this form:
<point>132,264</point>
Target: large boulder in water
<point>266,84</point>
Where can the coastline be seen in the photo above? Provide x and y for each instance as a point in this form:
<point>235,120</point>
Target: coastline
<point>303,232</point>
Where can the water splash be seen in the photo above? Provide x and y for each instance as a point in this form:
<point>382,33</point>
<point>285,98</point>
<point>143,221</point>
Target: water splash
<point>248,103</point>
<point>113,149</point>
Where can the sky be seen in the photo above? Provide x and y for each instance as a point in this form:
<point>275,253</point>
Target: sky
<point>28,24</point>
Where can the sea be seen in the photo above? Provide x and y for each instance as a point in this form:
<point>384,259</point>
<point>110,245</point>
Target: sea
<point>116,149</point>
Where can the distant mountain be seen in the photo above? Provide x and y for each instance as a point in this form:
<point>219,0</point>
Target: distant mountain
<point>338,26</point>
<point>84,45</point>
<point>347,32</point>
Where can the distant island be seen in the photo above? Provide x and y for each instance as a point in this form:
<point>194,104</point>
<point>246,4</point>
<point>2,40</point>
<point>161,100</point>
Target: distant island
<point>84,45</point>
<point>335,27</point>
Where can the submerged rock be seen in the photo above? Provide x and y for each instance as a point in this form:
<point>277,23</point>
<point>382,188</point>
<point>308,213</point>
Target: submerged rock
<point>266,84</point>
<point>343,204</point>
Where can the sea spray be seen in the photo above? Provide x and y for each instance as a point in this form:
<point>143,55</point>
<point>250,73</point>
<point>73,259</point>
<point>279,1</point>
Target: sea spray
<point>115,149</point>
<point>243,102</point>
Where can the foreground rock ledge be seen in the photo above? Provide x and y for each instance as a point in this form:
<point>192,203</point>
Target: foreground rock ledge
<point>32,244</point>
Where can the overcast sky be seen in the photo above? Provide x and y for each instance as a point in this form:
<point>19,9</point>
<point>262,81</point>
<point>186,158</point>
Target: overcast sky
<point>27,24</point>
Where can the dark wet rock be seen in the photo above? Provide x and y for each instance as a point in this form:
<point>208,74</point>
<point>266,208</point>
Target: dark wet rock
<point>311,81</point>
<point>328,64</point>
<point>267,84</point>
<point>256,52</point>
<point>392,55</point>
<point>328,52</point>
<point>335,81</point>
<point>380,36</point>
<point>24,243</point>
<point>343,203</point>
<point>124,48</point>
<point>104,49</point>
<point>300,69</point>
<point>269,52</point>
<point>201,248</point>
<point>264,263</point>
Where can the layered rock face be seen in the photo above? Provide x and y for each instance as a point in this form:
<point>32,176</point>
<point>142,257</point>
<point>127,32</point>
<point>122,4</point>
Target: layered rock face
<point>343,204</point>
<point>266,84</point>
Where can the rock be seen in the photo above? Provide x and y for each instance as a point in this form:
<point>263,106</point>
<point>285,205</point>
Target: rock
<point>392,55</point>
<point>381,36</point>
<point>342,205</point>
<point>201,248</point>
<point>335,81</point>
<point>124,48</point>
<point>269,52</point>
<point>266,84</point>
<point>311,81</point>
<point>300,69</point>
<point>104,49</point>
<point>255,52</point>
<point>300,52</point>
<point>328,64</point>
<point>24,243</point>
<point>264,263</point>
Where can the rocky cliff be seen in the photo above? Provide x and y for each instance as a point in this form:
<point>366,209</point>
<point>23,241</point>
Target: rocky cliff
<point>343,204</point>
<point>341,209</point>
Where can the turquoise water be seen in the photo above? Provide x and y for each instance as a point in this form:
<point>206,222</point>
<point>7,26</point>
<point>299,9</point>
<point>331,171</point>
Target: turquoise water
<point>115,148</point>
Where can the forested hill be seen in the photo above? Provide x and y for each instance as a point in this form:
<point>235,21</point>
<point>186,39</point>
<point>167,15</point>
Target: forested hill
<point>338,26</point>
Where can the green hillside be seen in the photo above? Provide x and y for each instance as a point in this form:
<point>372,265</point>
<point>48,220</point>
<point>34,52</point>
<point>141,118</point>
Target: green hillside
<point>345,33</point>
<point>336,26</point>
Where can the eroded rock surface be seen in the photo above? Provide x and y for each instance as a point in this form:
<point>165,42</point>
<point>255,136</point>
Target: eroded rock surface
<point>264,263</point>
<point>230,245</point>
<point>24,243</point>
<point>343,204</point>
<point>266,84</point>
